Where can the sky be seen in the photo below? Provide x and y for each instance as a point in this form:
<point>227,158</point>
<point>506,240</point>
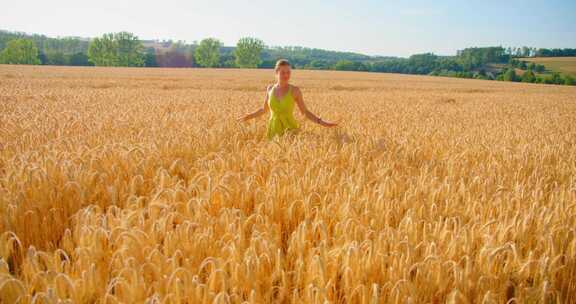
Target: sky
<point>385,27</point>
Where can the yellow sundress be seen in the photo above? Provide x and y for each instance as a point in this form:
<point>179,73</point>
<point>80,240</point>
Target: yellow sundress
<point>281,114</point>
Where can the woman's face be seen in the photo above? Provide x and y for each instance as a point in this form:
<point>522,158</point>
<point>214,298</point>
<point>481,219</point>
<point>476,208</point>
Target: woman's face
<point>283,73</point>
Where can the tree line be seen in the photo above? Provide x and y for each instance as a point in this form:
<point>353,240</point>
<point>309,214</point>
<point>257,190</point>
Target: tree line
<point>554,53</point>
<point>125,49</point>
<point>526,51</point>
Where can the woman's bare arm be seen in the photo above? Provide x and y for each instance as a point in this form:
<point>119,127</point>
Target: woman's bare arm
<point>258,112</point>
<point>311,116</point>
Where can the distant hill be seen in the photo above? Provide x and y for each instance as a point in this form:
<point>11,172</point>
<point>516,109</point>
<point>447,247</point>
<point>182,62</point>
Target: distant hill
<point>565,65</point>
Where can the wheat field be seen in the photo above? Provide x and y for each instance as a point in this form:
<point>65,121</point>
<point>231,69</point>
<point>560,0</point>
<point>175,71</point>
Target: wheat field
<point>566,65</point>
<point>122,185</point>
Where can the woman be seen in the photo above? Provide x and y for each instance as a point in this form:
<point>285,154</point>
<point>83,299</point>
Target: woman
<point>280,99</point>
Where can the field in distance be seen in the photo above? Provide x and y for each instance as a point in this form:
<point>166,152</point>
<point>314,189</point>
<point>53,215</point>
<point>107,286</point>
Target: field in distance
<point>565,65</point>
<point>138,185</point>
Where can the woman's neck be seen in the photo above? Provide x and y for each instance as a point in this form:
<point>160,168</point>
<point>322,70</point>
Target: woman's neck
<point>282,84</point>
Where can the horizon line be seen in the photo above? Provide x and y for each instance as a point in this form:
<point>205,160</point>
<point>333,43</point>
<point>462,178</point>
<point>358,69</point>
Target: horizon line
<point>266,46</point>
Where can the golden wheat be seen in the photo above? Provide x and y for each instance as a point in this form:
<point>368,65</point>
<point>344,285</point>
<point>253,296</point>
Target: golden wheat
<point>122,185</point>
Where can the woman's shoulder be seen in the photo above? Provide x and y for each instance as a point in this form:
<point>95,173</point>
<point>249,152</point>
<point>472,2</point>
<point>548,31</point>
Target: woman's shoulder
<point>295,89</point>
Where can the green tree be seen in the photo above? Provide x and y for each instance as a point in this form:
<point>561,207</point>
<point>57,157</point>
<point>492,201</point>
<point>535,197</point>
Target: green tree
<point>56,58</point>
<point>207,53</point>
<point>102,51</point>
<point>568,80</point>
<point>247,52</point>
<point>20,51</point>
<point>318,65</point>
<point>523,65</point>
<point>345,65</point>
<point>129,49</point>
<point>529,77</point>
<point>116,49</point>
<point>510,75</point>
<point>556,79</point>
<point>525,51</point>
<point>80,59</point>
<point>150,58</point>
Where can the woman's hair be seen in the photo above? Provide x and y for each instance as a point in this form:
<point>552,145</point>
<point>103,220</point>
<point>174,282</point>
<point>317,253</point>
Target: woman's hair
<point>281,62</point>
